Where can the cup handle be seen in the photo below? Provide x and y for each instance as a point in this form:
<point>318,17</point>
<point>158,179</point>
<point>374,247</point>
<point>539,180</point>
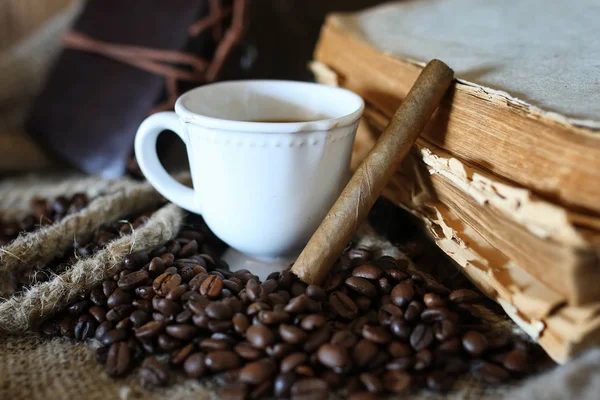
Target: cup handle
<point>147,158</point>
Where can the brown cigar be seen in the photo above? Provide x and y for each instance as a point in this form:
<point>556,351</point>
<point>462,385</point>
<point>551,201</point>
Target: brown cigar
<point>373,174</point>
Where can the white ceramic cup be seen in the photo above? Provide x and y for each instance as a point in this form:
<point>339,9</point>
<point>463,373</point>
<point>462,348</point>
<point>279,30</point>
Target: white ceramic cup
<point>262,187</point>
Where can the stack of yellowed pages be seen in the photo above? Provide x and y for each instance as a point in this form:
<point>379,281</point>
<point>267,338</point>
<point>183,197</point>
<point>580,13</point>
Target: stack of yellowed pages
<point>506,176</point>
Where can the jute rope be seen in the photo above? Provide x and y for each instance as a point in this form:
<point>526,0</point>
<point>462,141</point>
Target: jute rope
<point>42,245</point>
<point>22,311</point>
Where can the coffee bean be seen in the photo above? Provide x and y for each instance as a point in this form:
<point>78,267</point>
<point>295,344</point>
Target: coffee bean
<point>179,356</point>
<point>401,328</point>
<point>400,364</point>
<point>387,312</point>
<point>108,286</point>
<point>464,296</point>
<point>342,305</point>
<point>167,307</point>
<point>433,300</point>
<point>362,286</point>
<point>150,330</point>
<point>212,286</point>
<point>153,373</point>
<point>201,320</point>
<point>195,366</point>
<point>273,317</point>
<point>176,293</point>
<point>450,346</point>
<point>399,349</point>
<point>376,334</point>
<point>98,313</point>
<point>333,282</point>
<point>344,338</point>
<point>368,271</point>
<point>85,327</point>
<point>363,352</point>
<point>258,371</point>
<point>397,274</point>
<point>156,266</point>
<point>50,328</point>
<point>283,383</point>
<point>312,322</point>
<point>118,359</point>
<point>198,304</point>
<point>434,314</point>
<point>219,310</point>
<point>309,388</point>
<point>333,356</point>
<point>474,342</point>
<point>316,339</point>
<point>260,336</point>
<point>292,334</point>
<point>298,288</point>
<point>423,359</point>
<point>280,350</point>
<point>247,351</point>
<point>301,304</point>
<point>413,311</point>
<point>144,292</point>
<point>372,383</point>
<point>488,372</point>
<point>135,260</point>
<point>396,381</point>
<point>97,296</point>
<point>166,282</point>
<point>184,317</point>
<point>222,360</point>
<point>290,362</point>
<point>439,381</point>
<point>103,329</point>
<point>256,307</point>
<point>133,280</point>
<point>183,331</point>
<point>445,330</point>
<point>167,342</point>
<point>189,249</point>
<point>384,284</point>
<point>435,287</point>
<point>219,326</point>
<point>516,361</point>
<point>403,293</point>
<point>113,336</point>
<point>316,293</point>
<point>421,337</point>
<point>78,308</point>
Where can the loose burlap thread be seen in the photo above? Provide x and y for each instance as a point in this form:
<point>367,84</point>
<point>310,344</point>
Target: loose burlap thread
<point>22,311</point>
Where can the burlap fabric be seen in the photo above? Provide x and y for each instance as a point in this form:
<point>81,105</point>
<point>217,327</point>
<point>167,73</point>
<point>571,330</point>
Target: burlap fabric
<point>32,367</point>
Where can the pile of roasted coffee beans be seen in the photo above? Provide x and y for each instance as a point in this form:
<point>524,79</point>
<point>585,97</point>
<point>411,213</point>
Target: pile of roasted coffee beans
<point>43,212</point>
<point>374,327</point>
<point>82,247</point>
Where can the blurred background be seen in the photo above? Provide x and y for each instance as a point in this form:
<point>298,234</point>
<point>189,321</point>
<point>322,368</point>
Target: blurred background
<point>74,104</point>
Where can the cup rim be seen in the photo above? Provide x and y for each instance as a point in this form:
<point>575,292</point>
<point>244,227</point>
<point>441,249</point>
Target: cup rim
<point>269,127</point>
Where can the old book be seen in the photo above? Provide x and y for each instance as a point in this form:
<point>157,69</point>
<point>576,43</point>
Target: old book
<point>564,330</point>
<point>556,245</point>
<point>525,109</point>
